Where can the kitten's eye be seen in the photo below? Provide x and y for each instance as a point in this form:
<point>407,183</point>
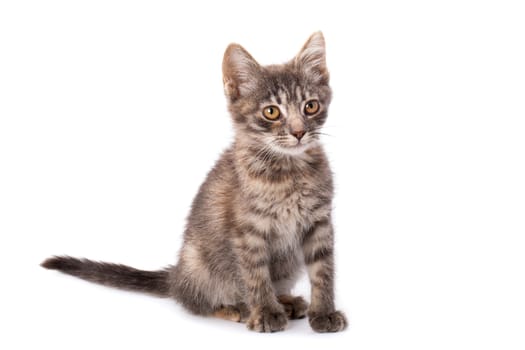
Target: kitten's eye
<point>311,107</point>
<point>271,112</point>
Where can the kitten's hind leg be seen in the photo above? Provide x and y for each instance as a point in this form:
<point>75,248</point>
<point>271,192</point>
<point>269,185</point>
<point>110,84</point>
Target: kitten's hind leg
<point>229,313</point>
<point>237,313</point>
<point>295,307</point>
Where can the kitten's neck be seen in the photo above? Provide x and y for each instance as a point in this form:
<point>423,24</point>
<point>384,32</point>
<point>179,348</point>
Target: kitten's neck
<point>269,164</point>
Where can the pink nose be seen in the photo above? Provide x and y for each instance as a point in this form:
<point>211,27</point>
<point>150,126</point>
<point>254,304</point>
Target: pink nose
<point>298,134</point>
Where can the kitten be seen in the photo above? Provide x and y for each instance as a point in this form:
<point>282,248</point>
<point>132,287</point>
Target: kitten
<point>264,211</point>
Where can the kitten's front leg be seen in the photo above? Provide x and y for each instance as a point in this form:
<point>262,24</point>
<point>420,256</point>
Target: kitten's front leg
<point>318,249</point>
<point>266,313</point>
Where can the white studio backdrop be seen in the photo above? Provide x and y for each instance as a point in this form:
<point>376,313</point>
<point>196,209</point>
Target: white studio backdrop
<point>112,112</point>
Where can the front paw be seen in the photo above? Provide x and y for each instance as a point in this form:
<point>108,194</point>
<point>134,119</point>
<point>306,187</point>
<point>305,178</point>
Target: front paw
<point>295,307</point>
<point>327,322</point>
<point>263,319</point>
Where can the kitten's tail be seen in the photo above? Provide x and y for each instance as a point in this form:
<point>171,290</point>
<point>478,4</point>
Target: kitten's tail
<point>112,275</point>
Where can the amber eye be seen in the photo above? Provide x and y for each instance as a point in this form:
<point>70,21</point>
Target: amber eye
<point>271,112</point>
<point>311,107</point>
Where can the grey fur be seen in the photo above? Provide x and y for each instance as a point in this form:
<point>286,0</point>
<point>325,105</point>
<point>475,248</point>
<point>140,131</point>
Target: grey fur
<point>263,212</point>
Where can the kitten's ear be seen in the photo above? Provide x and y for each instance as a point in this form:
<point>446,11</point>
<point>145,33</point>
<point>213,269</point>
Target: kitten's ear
<point>239,71</point>
<point>312,58</point>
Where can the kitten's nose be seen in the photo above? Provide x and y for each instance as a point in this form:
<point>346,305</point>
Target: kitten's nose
<point>298,134</point>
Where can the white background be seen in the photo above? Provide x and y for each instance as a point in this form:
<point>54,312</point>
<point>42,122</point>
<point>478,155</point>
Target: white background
<point>112,112</point>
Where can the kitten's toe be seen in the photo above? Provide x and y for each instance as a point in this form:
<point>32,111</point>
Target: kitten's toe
<point>295,307</point>
<point>267,320</point>
<point>330,322</point>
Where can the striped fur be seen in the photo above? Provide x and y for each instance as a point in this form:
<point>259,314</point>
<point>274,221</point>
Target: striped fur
<point>264,212</point>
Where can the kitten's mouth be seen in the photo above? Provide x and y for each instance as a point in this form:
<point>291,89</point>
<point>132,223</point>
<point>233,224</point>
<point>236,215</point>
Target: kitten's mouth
<point>289,146</point>
<point>293,150</point>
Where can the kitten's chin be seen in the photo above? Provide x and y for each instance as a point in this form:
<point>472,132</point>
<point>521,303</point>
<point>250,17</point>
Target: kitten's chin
<point>294,151</point>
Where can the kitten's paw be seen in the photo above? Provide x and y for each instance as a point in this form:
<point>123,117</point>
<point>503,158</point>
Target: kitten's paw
<point>295,307</point>
<point>267,320</point>
<point>331,322</point>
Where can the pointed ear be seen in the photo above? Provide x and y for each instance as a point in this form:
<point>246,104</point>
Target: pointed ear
<point>239,71</point>
<point>312,58</point>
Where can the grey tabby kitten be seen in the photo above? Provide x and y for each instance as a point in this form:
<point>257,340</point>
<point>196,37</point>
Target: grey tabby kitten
<point>264,210</point>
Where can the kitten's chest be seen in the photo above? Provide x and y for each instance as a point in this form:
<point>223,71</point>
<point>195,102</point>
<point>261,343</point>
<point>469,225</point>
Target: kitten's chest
<point>284,200</point>
<point>285,208</point>
<point>293,202</point>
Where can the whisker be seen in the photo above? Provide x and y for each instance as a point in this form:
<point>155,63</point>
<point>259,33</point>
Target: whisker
<point>323,133</point>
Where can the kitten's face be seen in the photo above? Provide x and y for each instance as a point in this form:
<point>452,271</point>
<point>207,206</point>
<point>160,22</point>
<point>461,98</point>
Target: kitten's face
<point>279,108</point>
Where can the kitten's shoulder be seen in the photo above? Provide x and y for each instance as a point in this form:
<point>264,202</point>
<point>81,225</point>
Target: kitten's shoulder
<point>223,170</point>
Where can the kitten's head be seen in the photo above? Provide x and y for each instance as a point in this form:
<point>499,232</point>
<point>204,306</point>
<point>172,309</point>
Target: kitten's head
<point>280,107</point>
